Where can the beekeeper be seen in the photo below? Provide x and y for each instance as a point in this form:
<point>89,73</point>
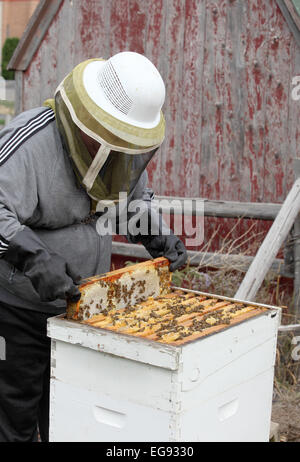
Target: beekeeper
<point>58,164</point>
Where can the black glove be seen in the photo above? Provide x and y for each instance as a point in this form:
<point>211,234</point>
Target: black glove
<point>49,273</point>
<point>168,246</point>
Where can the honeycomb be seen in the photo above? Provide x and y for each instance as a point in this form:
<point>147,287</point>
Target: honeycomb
<point>174,318</point>
<point>121,288</point>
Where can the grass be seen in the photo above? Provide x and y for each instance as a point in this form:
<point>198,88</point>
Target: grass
<point>286,411</point>
<point>227,277</point>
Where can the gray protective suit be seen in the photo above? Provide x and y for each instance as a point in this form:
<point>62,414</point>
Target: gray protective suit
<point>38,189</point>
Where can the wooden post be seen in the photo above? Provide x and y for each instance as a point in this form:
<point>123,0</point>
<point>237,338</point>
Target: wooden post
<point>271,245</point>
<point>296,305</point>
<point>296,236</point>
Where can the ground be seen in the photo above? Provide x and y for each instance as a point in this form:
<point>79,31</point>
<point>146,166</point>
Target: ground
<point>286,412</point>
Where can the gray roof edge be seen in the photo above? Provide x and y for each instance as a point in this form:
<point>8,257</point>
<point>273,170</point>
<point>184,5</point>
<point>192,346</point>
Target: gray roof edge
<point>34,33</point>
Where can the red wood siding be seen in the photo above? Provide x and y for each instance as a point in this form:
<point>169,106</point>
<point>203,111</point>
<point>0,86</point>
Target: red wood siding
<point>232,127</point>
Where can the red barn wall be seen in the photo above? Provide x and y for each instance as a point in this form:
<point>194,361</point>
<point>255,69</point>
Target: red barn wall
<point>232,126</point>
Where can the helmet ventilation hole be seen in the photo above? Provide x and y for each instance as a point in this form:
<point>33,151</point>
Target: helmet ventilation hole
<point>113,89</point>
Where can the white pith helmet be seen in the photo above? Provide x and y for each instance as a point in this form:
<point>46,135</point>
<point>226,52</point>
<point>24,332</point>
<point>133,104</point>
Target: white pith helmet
<point>117,103</point>
<point>128,87</point>
<point>122,96</point>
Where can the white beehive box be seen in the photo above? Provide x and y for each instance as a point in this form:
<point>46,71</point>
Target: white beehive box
<point>106,386</point>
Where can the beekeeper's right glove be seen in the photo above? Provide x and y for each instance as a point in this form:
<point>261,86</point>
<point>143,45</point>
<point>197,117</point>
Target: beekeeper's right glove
<point>49,273</point>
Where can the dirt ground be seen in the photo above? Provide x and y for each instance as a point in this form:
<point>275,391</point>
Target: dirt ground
<point>286,412</point>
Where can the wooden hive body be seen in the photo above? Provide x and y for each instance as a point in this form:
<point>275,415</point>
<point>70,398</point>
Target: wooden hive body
<point>108,385</point>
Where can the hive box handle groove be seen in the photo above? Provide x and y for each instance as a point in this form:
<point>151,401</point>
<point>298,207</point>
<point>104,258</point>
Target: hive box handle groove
<point>109,417</point>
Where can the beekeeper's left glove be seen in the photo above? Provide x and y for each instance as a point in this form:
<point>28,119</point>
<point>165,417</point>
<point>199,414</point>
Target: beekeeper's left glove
<point>168,246</point>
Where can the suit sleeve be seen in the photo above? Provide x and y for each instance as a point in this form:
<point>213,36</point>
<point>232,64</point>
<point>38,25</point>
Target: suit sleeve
<point>18,196</point>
